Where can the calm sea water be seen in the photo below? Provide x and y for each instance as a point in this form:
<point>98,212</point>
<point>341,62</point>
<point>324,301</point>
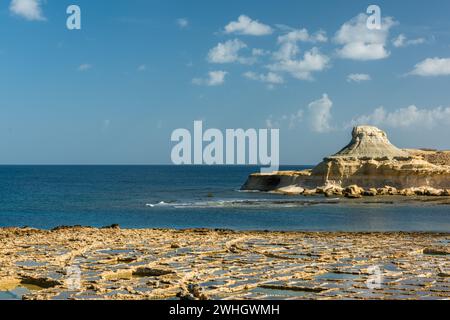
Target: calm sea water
<point>187,197</point>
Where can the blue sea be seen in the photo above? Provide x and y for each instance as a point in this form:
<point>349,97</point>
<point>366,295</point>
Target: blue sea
<point>191,197</point>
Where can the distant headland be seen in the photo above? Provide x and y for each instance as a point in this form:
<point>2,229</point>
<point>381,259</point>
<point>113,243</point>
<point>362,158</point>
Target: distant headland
<point>369,165</point>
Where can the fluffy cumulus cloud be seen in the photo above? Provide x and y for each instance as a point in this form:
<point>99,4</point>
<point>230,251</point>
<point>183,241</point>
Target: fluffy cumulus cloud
<point>28,9</point>
<point>228,52</point>
<point>361,43</point>
<point>402,41</point>
<point>246,26</point>
<point>288,59</point>
<point>432,67</point>
<point>215,78</point>
<point>296,35</point>
<point>288,43</point>
<point>358,77</point>
<point>409,117</point>
<point>317,115</point>
<point>300,67</point>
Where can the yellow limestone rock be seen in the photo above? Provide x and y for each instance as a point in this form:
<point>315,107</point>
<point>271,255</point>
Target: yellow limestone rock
<point>370,161</point>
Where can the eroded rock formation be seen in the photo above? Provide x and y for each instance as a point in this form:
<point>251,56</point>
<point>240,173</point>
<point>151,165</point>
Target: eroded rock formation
<point>369,165</point>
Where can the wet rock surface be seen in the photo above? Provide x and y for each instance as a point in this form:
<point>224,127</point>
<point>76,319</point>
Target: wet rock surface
<point>89,263</point>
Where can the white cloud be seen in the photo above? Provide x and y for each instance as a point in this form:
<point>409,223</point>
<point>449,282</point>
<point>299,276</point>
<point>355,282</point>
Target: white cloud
<point>246,26</point>
<point>415,41</point>
<point>319,118</point>
<point>358,77</point>
<point>409,117</point>
<point>215,78</point>
<point>287,56</point>
<point>270,77</point>
<point>361,43</point>
<point>312,61</point>
<point>402,41</point>
<point>142,67</point>
<point>287,51</point>
<point>84,67</point>
<point>270,123</point>
<point>259,52</point>
<point>303,35</point>
<point>432,67</point>
<point>288,42</point>
<point>183,23</point>
<point>28,9</point>
<point>284,27</point>
<point>399,41</point>
<point>228,52</point>
<point>319,114</point>
<point>290,120</point>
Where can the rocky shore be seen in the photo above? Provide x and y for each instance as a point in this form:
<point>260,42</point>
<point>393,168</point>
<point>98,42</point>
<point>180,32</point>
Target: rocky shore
<point>368,166</point>
<point>352,191</point>
<point>111,263</point>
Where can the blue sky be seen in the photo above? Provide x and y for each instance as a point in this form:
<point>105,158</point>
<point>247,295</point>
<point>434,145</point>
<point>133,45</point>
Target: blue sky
<point>112,92</point>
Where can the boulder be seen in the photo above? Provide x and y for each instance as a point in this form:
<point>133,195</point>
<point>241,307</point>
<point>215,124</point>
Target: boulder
<point>392,191</point>
<point>370,192</point>
<point>309,192</point>
<point>353,196</point>
<point>433,192</point>
<point>330,191</point>
<point>407,192</point>
<point>419,191</point>
<point>290,190</point>
<point>353,191</point>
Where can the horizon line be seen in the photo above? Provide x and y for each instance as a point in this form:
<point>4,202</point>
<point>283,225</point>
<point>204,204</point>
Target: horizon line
<point>162,164</point>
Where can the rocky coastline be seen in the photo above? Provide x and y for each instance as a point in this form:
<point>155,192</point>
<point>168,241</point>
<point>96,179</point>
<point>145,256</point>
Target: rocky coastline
<point>83,263</point>
<point>368,166</point>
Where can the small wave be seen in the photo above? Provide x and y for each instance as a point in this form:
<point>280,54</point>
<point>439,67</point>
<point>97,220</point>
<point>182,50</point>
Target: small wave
<point>246,203</point>
<point>248,191</point>
<point>159,204</point>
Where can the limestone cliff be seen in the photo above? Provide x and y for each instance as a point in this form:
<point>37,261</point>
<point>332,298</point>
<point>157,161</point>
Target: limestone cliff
<point>370,162</point>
